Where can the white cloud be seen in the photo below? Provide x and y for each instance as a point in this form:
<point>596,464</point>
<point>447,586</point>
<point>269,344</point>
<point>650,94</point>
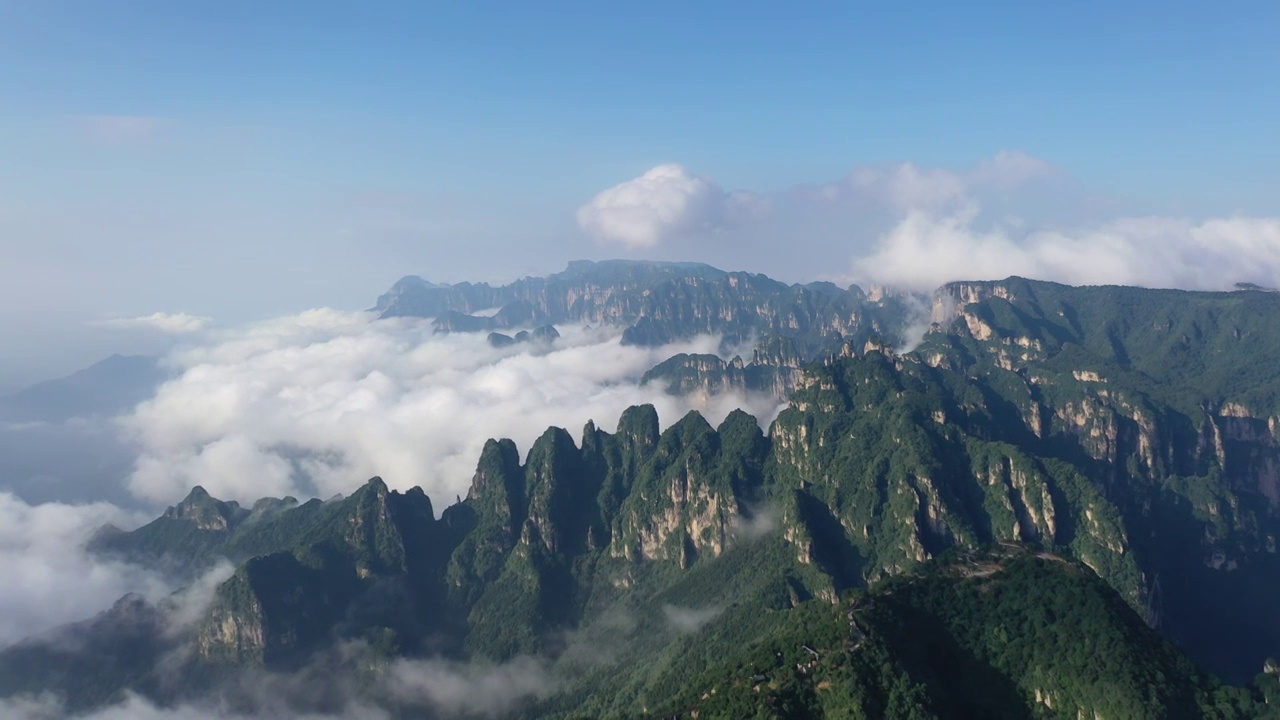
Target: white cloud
<point>173,323</point>
<point>321,401</point>
<point>689,620</point>
<point>761,523</point>
<point>918,227</point>
<point>671,204</point>
<point>49,579</point>
<point>448,689</point>
<point>1009,169</point>
<point>901,187</point>
<point>134,707</point>
<point>908,187</point>
<point>188,606</point>
<point>469,689</point>
<point>925,251</point>
<point>665,202</point>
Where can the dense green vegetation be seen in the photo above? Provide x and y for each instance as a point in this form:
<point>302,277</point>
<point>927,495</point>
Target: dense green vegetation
<point>649,568</point>
<point>1006,633</point>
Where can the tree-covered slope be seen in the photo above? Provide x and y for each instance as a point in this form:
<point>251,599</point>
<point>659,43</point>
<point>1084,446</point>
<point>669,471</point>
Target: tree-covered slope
<point>1004,633</point>
<point>632,561</point>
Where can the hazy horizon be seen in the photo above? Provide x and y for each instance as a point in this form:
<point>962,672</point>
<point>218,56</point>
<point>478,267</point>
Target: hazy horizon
<point>221,192</point>
<point>148,168</point>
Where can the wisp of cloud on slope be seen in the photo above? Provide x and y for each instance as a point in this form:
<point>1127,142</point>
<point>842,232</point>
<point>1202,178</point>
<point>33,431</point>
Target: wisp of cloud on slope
<point>49,578</point>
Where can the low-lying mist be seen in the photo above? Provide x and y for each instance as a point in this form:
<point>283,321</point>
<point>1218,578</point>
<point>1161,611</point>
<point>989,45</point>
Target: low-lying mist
<point>309,405</point>
<point>313,404</point>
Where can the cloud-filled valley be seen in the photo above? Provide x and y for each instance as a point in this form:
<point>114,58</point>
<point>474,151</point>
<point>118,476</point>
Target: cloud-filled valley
<point>316,403</point>
<point>50,580</point>
<point>309,405</point>
<point>313,404</point>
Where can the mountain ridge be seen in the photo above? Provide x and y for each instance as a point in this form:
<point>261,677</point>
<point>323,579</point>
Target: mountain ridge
<point>1029,413</point>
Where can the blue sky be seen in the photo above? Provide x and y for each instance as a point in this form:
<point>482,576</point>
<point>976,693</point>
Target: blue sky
<point>238,159</point>
<point>1148,96</point>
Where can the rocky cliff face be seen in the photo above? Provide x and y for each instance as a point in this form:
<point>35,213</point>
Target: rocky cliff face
<point>1020,418</point>
<point>205,513</point>
<point>1133,431</point>
<point>1164,401</point>
<point>709,375</point>
<point>658,303</point>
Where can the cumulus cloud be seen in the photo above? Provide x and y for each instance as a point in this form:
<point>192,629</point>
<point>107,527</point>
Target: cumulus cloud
<point>907,187</point>
<point>925,251</point>
<point>665,202</point>
<point>900,187</point>
<point>917,227</point>
<point>49,579</point>
<point>671,204</point>
<point>316,403</point>
<point>173,323</point>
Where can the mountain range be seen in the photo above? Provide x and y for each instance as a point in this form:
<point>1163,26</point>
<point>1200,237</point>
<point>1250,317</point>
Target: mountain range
<point>1059,502</point>
<point>781,326</point>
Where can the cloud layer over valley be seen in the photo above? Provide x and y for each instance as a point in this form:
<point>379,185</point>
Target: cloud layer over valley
<point>49,579</point>
<point>319,402</point>
<point>312,405</point>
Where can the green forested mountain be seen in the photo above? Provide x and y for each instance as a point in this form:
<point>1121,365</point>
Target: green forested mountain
<point>1127,437</point>
<point>1004,633</point>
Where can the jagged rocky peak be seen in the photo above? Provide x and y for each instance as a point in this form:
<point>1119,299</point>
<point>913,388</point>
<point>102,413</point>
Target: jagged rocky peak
<point>415,282</point>
<point>687,498</point>
<point>967,292</point>
<point>878,293</point>
<point>376,485</point>
<point>375,497</point>
<point>544,334</point>
<point>541,336</point>
<point>638,426</point>
<point>267,507</point>
<point>405,287</point>
<point>950,300</point>
<point>711,375</point>
<point>417,498</point>
<point>207,512</point>
<point>497,488</point>
<point>499,461</point>
<point>501,340</point>
<point>560,492</point>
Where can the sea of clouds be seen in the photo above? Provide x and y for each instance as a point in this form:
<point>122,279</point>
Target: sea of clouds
<point>312,405</point>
